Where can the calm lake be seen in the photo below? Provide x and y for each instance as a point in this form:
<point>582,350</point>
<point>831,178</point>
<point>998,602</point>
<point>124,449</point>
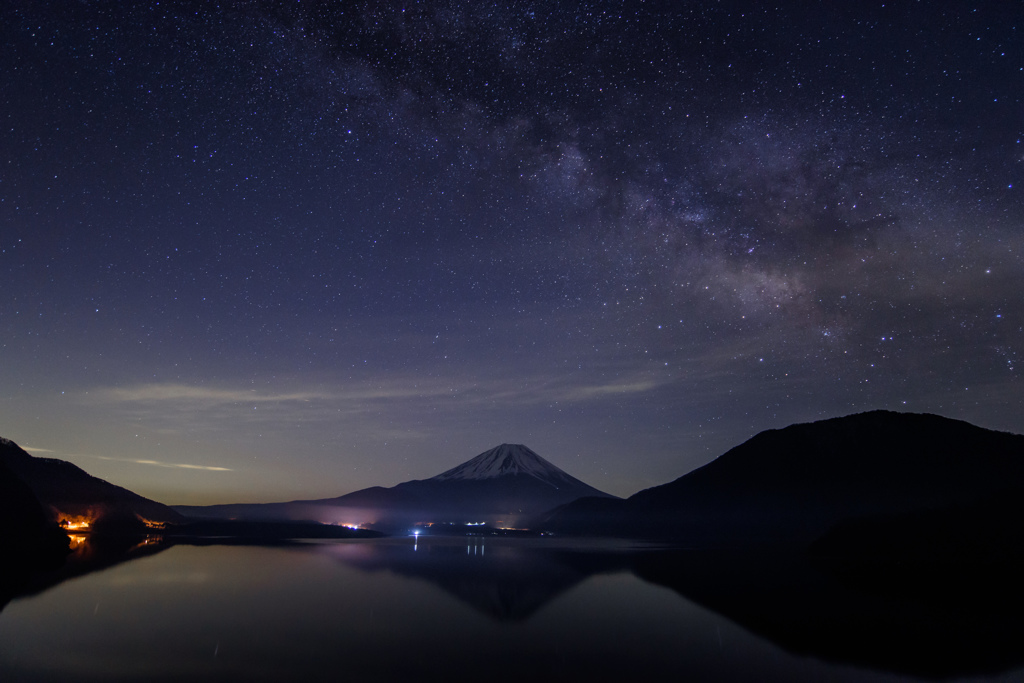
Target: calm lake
<point>474,608</point>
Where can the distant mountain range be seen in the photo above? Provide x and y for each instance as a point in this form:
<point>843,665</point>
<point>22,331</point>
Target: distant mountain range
<point>889,540</point>
<point>71,496</point>
<point>505,485</point>
<point>789,486</point>
<point>792,485</point>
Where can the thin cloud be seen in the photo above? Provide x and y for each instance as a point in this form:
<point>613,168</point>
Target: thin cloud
<point>176,465</point>
<point>596,391</point>
<point>186,393</point>
<point>359,394</point>
<point>373,404</point>
<point>36,450</point>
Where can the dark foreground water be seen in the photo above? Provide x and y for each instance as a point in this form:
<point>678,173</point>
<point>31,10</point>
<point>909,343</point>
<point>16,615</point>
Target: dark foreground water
<point>454,609</point>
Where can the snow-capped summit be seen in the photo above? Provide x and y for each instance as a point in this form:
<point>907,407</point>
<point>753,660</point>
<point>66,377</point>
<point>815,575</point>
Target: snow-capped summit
<point>508,478</point>
<point>507,459</point>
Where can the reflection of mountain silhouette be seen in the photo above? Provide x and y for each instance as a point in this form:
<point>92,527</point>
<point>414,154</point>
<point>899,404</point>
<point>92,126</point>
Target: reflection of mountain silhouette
<point>506,581</point>
<point>781,597</point>
<point>95,552</point>
<point>90,554</point>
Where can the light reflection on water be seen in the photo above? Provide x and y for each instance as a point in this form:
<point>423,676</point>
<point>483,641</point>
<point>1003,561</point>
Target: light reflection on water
<point>388,609</point>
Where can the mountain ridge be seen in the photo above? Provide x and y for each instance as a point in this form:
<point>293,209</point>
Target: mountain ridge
<point>67,492</point>
<point>503,484</point>
<point>794,483</point>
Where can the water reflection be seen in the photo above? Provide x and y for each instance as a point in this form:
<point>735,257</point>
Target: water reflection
<point>89,554</point>
<point>507,580</point>
<point>809,610</point>
<point>553,593</point>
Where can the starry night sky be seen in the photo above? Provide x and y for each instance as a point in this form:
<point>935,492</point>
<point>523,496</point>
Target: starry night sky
<point>263,250</point>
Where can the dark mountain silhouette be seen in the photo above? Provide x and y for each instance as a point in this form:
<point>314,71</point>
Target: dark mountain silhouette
<point>791,485</point>
<point>69,494</point>
<point>503,485</point>
<point>31,541</point>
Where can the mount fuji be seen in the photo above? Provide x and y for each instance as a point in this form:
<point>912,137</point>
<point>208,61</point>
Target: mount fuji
<point>512,460</point>
<point>504,485</point>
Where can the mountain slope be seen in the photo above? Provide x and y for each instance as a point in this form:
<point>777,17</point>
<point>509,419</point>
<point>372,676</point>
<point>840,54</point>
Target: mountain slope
<point>510,459</point>
<point>29,539</point>
<point>506,483</point>
<point>795,483</point>
<point>507,479</point>
<point>68,493</point>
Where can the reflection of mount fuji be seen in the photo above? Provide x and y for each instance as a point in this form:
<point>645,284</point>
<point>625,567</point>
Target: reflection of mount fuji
<point>506,581</point>
<point>502,486</point>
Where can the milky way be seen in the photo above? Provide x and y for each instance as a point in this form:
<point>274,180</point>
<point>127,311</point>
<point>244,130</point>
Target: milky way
<point>294,249</point>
